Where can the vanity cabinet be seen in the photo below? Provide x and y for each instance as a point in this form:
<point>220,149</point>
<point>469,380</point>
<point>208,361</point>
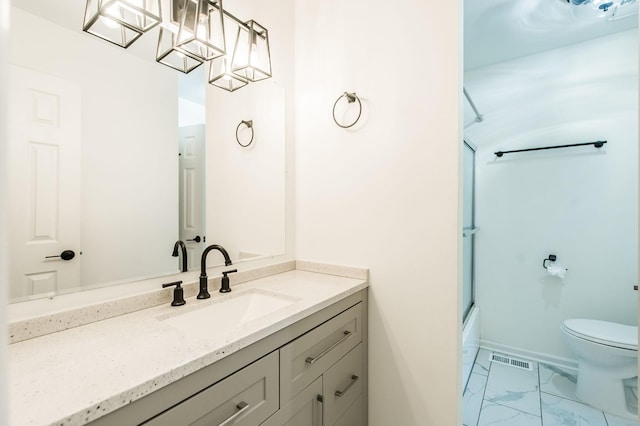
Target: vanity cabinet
<point>341,390</point>
<point>321,371</point>
<point>335,398</point>
<point>248,397</point>
<point>312,372</point>
<point>307,357</point>
<point>305,409</point>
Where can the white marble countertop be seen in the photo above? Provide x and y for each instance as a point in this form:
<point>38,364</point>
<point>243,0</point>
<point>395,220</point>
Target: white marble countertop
<point>80,374</point>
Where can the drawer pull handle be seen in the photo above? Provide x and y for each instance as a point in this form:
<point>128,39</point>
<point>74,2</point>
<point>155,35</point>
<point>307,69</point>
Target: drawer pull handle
<point>354,379</point>
<point>311,360</point>
<point>242,407</point>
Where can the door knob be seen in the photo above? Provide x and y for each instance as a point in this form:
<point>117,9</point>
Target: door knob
<point>65,255</point>
<point>635,287</point>
<point>196,239</point>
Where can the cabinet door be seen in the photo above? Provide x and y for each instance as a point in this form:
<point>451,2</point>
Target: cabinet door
<point>342,386</point>
<point>247,397</point>
<point>307,357</point>
<point>303,410</point>
<point>354,416</point>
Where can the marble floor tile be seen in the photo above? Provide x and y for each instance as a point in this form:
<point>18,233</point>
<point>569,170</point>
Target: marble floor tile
<point>472,399</point>
<point>513,387</point>
<point>558,411</point>
<point>482,364</point>
<point>619,421</point>
<point>499,415</point>
<point>557,381</point>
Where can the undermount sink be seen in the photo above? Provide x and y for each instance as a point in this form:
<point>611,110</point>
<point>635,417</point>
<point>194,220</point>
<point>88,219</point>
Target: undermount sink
<point>228,312</point>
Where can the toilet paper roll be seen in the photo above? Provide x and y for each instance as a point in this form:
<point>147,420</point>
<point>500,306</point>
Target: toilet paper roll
<point>554,269</point>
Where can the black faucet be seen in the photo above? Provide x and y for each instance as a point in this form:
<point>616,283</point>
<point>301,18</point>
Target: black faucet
<point>204,291</point>
<point>180,244</point>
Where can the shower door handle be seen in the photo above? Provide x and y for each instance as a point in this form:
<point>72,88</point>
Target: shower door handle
<point>635,287</point>
<point>468,231</point>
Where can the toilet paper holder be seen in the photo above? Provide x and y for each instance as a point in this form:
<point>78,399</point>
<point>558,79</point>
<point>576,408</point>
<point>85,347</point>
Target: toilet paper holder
<point>551,258</point>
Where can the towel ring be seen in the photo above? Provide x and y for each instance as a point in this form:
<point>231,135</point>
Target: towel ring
<point>249,124</point>
<point>351,98</point>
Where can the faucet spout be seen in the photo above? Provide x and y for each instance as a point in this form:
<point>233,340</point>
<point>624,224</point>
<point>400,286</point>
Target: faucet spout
<point>204,291</point>
<point>180,244</point>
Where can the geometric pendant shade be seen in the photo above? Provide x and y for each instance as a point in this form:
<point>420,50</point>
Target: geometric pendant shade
<point>201,29</point>
<point>251,56</point>
<point>191,32</point>
<point>121,21</point>
<point>171,55</point>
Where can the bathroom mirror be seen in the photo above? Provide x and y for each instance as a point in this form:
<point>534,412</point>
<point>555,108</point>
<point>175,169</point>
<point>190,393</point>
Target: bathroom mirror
<point>99,137</point>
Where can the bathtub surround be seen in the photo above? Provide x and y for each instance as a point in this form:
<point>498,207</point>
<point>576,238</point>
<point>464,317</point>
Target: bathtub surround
<point>577,203</point>
<point>385,193</point>
<point>470,343</point>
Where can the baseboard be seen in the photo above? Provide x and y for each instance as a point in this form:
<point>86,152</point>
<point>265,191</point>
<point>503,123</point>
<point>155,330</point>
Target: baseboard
<point>566,363</point>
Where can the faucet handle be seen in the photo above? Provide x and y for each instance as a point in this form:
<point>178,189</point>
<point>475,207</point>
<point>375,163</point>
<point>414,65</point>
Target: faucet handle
<point>224,287</point>
<point>178,293</point>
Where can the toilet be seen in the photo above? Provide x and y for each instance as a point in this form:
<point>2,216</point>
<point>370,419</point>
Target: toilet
<point>607,354</point>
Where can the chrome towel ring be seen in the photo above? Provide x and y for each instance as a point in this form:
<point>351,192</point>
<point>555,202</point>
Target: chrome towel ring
<point>249,124</point>
<point>351,98</point>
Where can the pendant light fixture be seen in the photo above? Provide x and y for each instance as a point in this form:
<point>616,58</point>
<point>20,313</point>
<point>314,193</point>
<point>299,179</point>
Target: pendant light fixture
<point>201,29</point>
<point>220,74</point>
<point>121,21</point>
<point>251,55</point>
<point>191,32</point>
<point>171,55</point>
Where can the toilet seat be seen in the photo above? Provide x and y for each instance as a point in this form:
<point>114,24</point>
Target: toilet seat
<point>604,332</point>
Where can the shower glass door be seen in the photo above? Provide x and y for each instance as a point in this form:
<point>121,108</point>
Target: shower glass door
<point>469,229</point>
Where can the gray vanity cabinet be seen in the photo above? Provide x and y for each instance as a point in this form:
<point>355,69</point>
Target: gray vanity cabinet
<point>311,373</point>
<point>303,410</point>
<point>246,398</point>
<point>310,355</point>
<point>321,374</point>
<point>342,387</point>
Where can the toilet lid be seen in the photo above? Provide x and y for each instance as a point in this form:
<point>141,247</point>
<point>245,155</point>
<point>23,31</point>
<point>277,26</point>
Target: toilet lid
<point>607,333</point>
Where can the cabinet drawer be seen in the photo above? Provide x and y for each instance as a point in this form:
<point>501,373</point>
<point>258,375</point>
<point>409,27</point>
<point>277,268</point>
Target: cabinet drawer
<point>342,386</point>
<point>307,357</point>
<point>247,397</point>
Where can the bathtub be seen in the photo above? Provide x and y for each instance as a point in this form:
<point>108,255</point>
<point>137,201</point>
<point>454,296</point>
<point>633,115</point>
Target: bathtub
<point>470,343</point>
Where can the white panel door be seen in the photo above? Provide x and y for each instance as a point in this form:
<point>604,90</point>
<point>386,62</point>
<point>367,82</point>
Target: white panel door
<point>44,182</point>
<point>192,178</point>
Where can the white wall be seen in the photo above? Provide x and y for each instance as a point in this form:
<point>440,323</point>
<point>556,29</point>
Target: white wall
<point>246,186</point>
<point>579,203</point>
<point>190,113</point>
<point>129,147</point>
<point>384,195</point>
<point>249,190</point>
<point>4,276</point>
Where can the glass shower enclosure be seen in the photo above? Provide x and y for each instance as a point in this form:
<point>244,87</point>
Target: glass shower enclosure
<point>468,228</point>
